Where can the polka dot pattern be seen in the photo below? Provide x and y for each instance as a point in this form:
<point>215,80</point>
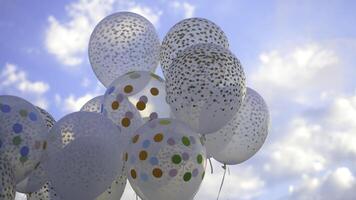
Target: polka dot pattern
<point>186,33</point>
<point>123,42</point>
<point>7,180</point>
<point>205,87</point>
<point>160,159</point>
<point>244,134</point>
<point>94,105</point>
<point>23,131</point>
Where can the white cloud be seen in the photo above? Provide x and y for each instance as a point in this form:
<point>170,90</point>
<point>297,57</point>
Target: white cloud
<point>187,8</point>
<point>14,81</point>
<point>300,74</point>
<point>73,103</point>
<point>68,40</point>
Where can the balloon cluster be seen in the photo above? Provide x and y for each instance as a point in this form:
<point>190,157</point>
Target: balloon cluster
<point>157,133</point>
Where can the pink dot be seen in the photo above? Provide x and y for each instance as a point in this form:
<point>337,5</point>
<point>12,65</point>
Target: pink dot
<point>171,141</point>
<point>173,173</point>
<point>185,156</point>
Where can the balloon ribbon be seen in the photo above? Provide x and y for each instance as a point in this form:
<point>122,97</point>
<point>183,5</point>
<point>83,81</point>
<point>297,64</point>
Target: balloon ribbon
<point>222,181</point>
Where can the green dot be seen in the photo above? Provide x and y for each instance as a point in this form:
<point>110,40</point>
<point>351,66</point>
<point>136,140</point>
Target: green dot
<point>187,176</point>
<point>164,121</point>
<point>185,141</point>
<point>23,159</point>
<point>17,140</point>
<point>23,113</point>
<point>176,159</point>
<point>199,158</point>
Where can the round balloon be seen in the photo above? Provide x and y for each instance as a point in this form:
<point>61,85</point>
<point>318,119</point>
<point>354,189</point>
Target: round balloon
<point>23,135</point>
<point>94,105</point>
<point>7,180</point>
<point>85,156</point>
<point>123,42</point>
<point>205,87</point>
<point>186,33</point>
<point>38,177</point>
<point>244,135</point>
<point>121,111</point>
<point>47,192</point>
<point>146,91</point>
<point>165,160</point>
<point>116,189</point>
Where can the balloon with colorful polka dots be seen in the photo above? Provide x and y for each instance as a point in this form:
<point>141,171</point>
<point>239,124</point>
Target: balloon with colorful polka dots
<point>146,91</point>
<point>93,105</point>
<point>85,155</point>
<point>205,87</point>
<point>38,177</point>
<point>7,180</point>
<point>165,160</point>
<point>23,137</point>
<point>123,42</point>
<point>244,135</point>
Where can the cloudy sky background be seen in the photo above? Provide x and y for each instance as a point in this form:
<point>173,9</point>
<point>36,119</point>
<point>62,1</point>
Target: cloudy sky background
<point>300,55</point>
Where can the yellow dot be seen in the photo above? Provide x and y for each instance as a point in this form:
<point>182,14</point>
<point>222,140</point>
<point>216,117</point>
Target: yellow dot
<point>125,122</point>
<point>126,157</point>
<point>158,137</point>
<point>140,105</point>
<point>157,173</point>
<point>135,138</point>
<point>115,105</point>
<point>154,91</point>
<point>143,155</point>
<point>128,88</point>
<point>133,174</point>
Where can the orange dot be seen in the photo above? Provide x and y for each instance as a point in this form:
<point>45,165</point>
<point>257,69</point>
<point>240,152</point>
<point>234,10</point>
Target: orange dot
<point>125,122</point>
<point>115,105</point>
<point>135,138</point>
<point>128,88</point>
<point>133,174</point>
<point>157,173</point>
<point>140,105</point>
<point>143,155</point>
<point>158,137</point>
<point>154,91</point>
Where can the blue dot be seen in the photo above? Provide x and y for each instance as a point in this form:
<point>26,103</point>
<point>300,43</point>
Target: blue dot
<point>146,144</point>
<point>154,161</point>
<point>144,176</point>
<point>24,151</point>
<point>110,90</point>
<point>5,108</point>
<point>32,116</point>
<point>17,128</point>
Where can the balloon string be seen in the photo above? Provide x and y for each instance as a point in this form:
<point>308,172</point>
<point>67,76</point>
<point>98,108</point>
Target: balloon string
<point>222,181</point>
<point>211,166</point>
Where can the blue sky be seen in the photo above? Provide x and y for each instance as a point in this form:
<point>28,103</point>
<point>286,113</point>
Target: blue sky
<point>298,54</point>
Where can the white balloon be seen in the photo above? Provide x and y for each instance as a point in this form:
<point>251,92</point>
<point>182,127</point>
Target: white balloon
<point>47,192</point>
<point>123,42</point>
<point>85,155</point>
<point>7,180</point>
<point>205,87</point>
<point>244,135</point>
<point>94,105</point>
<point>146,91</point>
<point>23,135</point>
<point>116,189</point>
<point>38,177</point>
<point>165,160</point>
<point>186,33</point>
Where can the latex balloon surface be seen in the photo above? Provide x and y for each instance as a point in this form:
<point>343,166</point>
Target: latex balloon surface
<point>23,135</point>
<point>205,87</point>
<point>38,177</point>
<point>7,180</point>
<point>85,156</point>
<point>47,192</point>
<point>123,42</point>
<point>244,135</point>
<point>189,32</point>
<point>94,105</point>
<point>146,91</point>
<point>165,160</point>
